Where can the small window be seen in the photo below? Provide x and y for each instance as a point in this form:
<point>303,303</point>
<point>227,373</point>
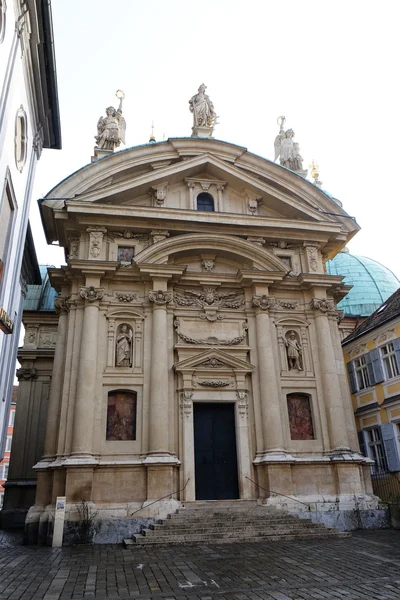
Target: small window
<point>8,443</point>
<point>3,8</point>
<point>300,418</point>
<point>205,202</point>
<point>126,254</point>
<point>121,415</point>
<point>4,471</point>
<point>361,370</point>
<point>21,139</point>
<point>376,450</point>
<point>389,361</point>
<point>287,260</point>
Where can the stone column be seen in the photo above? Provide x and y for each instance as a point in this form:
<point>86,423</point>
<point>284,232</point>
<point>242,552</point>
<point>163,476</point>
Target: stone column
<point>87,372</point>
<point>57,380</point>
<point>330,382</point>
<point>269,384</point>
<point>158,417</point>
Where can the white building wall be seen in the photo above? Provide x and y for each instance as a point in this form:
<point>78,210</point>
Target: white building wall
<point>16,93</point>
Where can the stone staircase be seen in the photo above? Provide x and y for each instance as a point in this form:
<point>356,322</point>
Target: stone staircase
<point>219,522</point>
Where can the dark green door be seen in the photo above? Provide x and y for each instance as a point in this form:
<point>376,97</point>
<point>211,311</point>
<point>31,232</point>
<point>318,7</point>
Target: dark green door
<point>215,452</point>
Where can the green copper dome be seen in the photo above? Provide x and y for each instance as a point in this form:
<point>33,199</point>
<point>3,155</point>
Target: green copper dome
<point>372,283</point>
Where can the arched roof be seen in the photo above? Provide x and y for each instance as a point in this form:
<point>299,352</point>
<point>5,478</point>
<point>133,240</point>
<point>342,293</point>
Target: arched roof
<point>372,283</point>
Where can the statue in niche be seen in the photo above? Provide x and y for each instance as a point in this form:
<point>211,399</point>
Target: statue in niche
<point>111,128</point>
<point>294,351</point>
<point>202,108</point>
<point>287,149</point>
<point>124,346</point>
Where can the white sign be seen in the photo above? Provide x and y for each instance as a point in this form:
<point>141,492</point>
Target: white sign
<point>59,522</point>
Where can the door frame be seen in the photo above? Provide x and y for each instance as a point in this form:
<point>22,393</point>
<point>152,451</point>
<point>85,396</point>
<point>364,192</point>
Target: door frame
<point>240,401</point>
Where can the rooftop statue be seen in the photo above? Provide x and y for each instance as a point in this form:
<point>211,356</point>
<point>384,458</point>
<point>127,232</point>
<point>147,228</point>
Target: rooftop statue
<point>202,108</point>
<point>111,128</point>
<point>287,149</point>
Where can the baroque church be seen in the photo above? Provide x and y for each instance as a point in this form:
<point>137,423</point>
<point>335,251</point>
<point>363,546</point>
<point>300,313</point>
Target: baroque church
<point>197,349</point>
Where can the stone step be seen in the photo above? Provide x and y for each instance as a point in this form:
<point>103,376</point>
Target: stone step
<point>172,524</point>
<point>206,539</point>
<point>237,531</point>
<point>227,518</point>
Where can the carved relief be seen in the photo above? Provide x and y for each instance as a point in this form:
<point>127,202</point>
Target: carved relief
<point>270,302</point>
<point>123,349</point>
<point>243,404</point>
<point>160,193</point>
<point>208,264</point>
<point>214,383</point>
<point>258,241</point>
<point>91,294</point>
<point>142,238</point>
<point>160,297</point>
<point>209,297</point>
<point>31,335</point>
<point>211,340</point>
<point>47,337</point>
<point>186,403</point>
<point>73,247</point>
<point>212,316</point>
<point>126,297</point>
<point>312,255</point>
<point>95,241</point>
<point>294,351</point>
<point>213,363</point>
<point>324,305</point>
<point>159,235</point>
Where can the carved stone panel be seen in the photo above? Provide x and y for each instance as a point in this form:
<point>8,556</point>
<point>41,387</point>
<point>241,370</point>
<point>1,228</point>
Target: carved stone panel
<point>47,337</point>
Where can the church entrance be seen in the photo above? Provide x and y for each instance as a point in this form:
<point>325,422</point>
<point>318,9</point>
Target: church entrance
<point>216,470</point>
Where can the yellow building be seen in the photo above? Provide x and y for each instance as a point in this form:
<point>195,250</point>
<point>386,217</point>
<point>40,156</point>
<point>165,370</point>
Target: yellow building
<point>372,356</point>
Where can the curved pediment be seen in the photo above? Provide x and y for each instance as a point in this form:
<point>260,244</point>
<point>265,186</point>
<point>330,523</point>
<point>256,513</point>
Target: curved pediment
<point>235,247</point>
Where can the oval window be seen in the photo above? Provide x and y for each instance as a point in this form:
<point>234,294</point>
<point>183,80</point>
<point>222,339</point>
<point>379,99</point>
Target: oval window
<point>21,139</point>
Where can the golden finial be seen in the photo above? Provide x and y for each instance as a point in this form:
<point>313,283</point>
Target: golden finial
<point>152,138</point>
<point>315,172</point>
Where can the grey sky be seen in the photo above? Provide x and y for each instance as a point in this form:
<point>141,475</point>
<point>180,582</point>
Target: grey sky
<point>329,67</point>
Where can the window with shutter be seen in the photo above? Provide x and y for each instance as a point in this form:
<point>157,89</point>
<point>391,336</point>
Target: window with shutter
<point>352,377</point>
<point>362,374</point>
<point>376,449</point>
<point>389,361</point>
<point>391,446</point>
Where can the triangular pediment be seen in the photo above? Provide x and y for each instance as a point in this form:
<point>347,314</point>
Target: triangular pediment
<point>243,184</point>
<point>217,360</point>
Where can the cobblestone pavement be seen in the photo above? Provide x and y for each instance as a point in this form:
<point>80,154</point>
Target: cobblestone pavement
<point>363,567</point>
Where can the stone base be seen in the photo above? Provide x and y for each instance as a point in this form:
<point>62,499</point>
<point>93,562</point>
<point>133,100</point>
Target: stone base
<point>203,132</point>
<point>100,153</point>
<point>350,520</point>
<point>13,518</point>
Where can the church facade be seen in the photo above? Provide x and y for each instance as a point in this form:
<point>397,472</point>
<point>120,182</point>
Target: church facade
<point>198,354</point>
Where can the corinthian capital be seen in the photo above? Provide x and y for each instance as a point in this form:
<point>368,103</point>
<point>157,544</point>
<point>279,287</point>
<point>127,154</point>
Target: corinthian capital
<point>160,297</point>
<point>264,302</point>
<point>61,305</point>
<point>91,294</point>
<point>26,374</point>
<point>324,304</point>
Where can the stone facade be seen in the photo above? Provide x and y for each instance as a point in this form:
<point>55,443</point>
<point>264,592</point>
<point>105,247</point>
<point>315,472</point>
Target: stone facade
<point>164,307</point>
